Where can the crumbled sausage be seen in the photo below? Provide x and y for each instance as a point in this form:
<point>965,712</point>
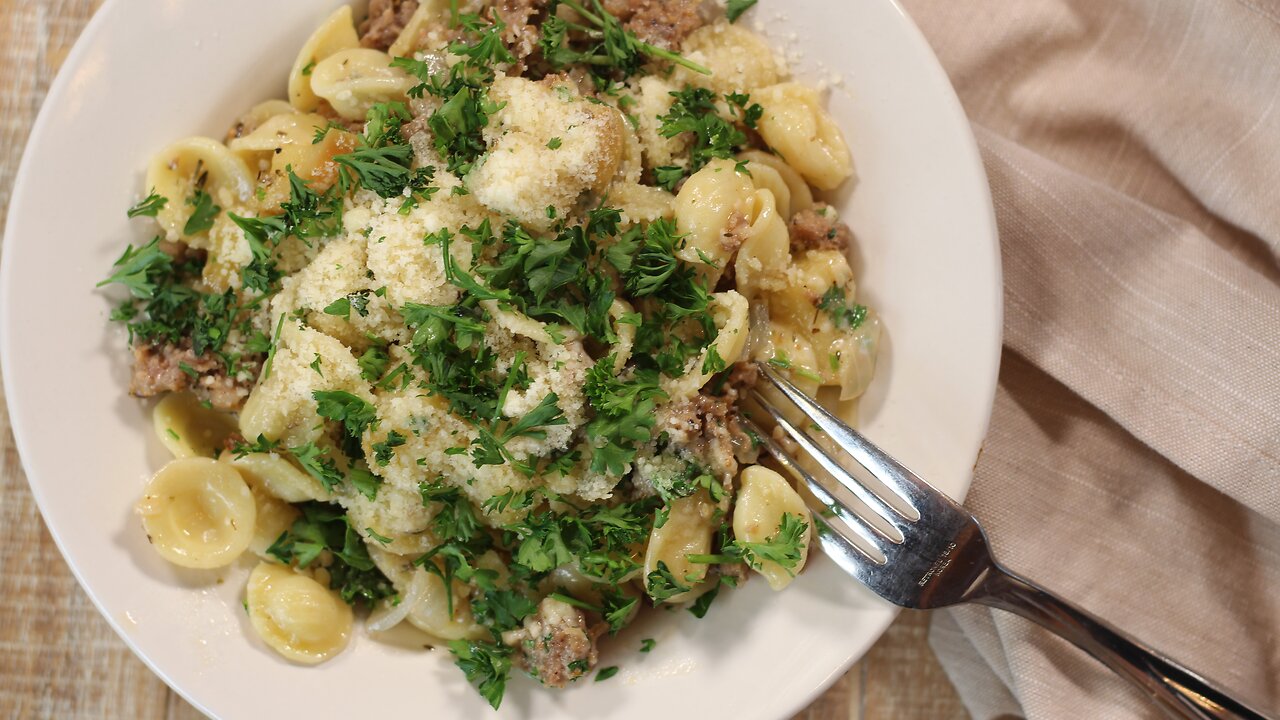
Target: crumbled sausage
<point>556,644</point>
<point>818,229</point>
<point>520,35</point>
<point>665,23</point>
<point>173,368</point>
<point>743,375</point>
<point>386,19</point>
<point>706,427</point>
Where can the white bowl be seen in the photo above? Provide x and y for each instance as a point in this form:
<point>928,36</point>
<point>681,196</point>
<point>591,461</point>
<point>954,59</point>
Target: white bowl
<point>147,72</point>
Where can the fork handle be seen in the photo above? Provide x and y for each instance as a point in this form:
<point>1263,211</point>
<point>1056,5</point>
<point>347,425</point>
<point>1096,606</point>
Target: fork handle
<point>1178,691</point>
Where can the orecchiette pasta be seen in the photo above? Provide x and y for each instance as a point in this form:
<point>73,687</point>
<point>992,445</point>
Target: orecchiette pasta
<point>729,310</point>
<point>338,32</point>
<point>687,531</point>
<point>812,273</point>
<point>256,116</point>
<point>766,249</point>
<point>430,613</point>
<point>763,497</point>
<point>193,164</point>
<point>295,615</point>
<point>795,125</point>
<point>799,196</point>
<point>739,60</point>
<point>641,203</point>
<point>712,211</point>
<point>789,348</point>
<point>857,356</point>
<point>281,405</point>
<point>279,477</point>
<point>429,12</point>
<point>273,517</point>
<point>189,429</point>
<point>198,513</point>
<point>352,80</point>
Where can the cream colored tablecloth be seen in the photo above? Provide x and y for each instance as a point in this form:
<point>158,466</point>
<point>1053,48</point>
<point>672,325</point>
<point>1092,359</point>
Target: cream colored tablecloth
<point>1133,464</point>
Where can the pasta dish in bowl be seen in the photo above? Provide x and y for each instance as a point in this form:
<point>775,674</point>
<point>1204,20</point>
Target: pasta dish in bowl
<point>464,324</point>
<point>448,338</point>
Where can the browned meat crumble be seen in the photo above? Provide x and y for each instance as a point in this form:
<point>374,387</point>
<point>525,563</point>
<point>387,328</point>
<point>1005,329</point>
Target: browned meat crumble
<point>386,19</point>
<point>815,229</point>
<point>556,645</point>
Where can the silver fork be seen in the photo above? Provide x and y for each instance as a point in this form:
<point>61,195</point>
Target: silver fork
<point>940,557</point>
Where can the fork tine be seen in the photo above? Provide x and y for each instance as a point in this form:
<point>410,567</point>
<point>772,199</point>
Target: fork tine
<point>848,556</point>
<point>851,558</point>
<point>897,478</point>
<point>887,512</point>
<point>869,533</point>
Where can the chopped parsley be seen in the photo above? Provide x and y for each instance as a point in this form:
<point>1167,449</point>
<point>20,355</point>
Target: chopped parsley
<point>606,673</point>
<point>382,451</point>
<point>149,206</point>
<point>166,309</point>
<point>141,269</point>
<point>785,547</point>
<point>608,49</point>
<point>318,465</point>
<point>842,314</point>
<point>355,414</point>
<point>694,111</point>
<point>322,527</point>
<point>383,159</point>
<point>202,214</point>
<point>735,8</point>
<point>486,664</point>
<point>457,125</point>
<point>342,307</point>
<point>661,585</point>
<point>624,415</point>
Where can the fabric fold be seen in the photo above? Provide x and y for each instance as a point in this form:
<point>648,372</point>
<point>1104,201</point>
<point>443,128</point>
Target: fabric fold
<point>1133,462</point>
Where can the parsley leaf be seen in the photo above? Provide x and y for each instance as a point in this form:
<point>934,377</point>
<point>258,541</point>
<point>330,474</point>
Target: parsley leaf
<point>624,414</point>
<point>364,481</point>
<point>354,413</point>
<point>484,663</point>
<point>322,468</point>
<point>373,363</point>
<point>613,49</point>
<point>502,610</point>
<point>382,451</point>
<point>785,547</point>
<point>326,527</point>
<point>700,606</point>
<point>139,269</point>
<point>662,585</point>
<point>843,315</point>
<point>202,216</point>
<point>656,260</point>
<point>384,170</point>
<point>455,517</point>
<point>734,8</point>
<point>149,206</point>
<point>694,111</point>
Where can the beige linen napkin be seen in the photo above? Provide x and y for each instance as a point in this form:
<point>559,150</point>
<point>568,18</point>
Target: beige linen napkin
<point>1133,463</point>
